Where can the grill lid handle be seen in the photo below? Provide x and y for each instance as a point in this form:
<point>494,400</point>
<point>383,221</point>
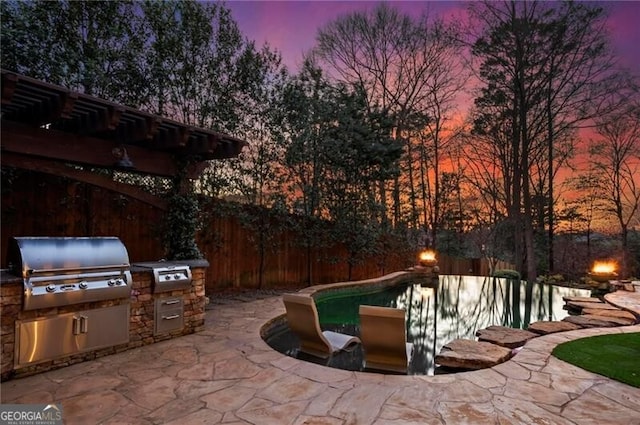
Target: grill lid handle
<point>31,272</point>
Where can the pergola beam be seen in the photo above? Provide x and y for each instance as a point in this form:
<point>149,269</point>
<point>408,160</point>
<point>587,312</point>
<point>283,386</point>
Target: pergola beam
<point>60,169</point>
<point>34,104</point>
<point>83,150</point>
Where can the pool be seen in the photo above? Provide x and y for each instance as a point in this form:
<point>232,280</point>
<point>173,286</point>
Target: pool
<point>437,311</point>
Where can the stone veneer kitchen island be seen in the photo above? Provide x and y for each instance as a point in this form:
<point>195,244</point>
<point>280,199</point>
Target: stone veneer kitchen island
<point>142,302</point>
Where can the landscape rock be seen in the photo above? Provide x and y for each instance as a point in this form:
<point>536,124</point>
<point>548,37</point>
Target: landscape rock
<point>567,298</point>
<point>623,285</point>
<point>631,319</point>
<point>615,321</point>
<point>467,354</point>
<point>589,321</point>
<point>549,327</point>
<point>505,336</point>
<point>579,305</point>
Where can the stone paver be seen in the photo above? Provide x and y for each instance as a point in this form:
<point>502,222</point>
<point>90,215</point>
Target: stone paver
<point>615,320</point>
<point>226,374</point>
<point>505,336</point>
<point>579,305</point>
<point>625,300</point>
<point>631,319</point>
<point>591,321</point>
<point>468,354</point>
<point>551,326</point>
<point>582,299</point>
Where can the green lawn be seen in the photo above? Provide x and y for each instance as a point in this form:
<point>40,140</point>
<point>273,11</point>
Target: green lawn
<point>616,356</point>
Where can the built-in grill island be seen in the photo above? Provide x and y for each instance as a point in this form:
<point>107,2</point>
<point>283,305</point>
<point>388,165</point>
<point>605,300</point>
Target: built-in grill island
<point>59,272</point>
<point>69,299</point>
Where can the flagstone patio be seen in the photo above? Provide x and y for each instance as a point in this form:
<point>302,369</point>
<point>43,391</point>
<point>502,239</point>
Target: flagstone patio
<point>228,375</point>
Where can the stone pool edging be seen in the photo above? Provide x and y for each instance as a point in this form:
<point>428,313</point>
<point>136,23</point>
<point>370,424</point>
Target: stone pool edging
<point>390,279</point>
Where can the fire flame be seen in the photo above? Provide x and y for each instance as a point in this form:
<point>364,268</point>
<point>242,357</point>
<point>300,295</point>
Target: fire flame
<point>428,256</point>
<point>604,267</point>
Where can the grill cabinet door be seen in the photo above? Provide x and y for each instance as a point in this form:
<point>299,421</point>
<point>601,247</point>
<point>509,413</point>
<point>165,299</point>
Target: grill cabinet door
<point>48,338</point>
<point>169,315</point>
<point>44,339</point>
<point>106,327</point>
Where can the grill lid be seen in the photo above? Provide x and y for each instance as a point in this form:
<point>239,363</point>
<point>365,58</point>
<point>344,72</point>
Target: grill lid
<point>29,256</point>
<point>62,270</point>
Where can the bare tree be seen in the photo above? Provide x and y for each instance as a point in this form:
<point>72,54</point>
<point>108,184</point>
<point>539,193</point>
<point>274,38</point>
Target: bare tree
<point>578,75</point>
<point>581,214</point>
<point>616,155</point>
<point>544,68</point>
<point>407,67</point>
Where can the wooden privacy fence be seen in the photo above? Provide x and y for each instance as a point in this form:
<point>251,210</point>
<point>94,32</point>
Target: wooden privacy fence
<point>234,258</point>
<point>34,204</point>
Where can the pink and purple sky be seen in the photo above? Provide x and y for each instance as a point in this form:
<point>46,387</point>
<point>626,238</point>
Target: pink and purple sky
<point>291,26</point>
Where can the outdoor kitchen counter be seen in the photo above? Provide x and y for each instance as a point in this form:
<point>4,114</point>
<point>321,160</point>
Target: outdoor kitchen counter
<point>141,306</point>
<point>194,264</point>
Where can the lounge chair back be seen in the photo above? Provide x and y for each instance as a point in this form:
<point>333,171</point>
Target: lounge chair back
<point>302,316</point>
<point>383,336</point>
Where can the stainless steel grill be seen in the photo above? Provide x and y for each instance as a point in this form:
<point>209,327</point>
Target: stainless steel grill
<point>168,276</point>
<point>59,271</point>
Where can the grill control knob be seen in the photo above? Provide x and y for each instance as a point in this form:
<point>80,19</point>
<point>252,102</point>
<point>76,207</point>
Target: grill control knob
<point>50,287</point>
<point>111,282</point>
<point>83,285</point>
<point>167,277</point>
<point>176,276</point>
<point>119,282</point>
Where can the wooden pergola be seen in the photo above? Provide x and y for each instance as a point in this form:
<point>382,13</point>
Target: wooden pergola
<point>48,128</point>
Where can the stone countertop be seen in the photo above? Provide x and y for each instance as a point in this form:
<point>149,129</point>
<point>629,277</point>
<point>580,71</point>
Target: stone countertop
<point>144,266</point>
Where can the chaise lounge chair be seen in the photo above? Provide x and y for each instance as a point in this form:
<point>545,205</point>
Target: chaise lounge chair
<point>383,335</point>
<point>302,316</point>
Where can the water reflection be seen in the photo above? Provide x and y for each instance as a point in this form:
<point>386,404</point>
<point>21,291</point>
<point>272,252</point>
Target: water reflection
<point>438,312</point>
<point>461,305</point>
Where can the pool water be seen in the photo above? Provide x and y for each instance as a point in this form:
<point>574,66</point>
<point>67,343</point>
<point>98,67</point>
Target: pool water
<point>437,311</point>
